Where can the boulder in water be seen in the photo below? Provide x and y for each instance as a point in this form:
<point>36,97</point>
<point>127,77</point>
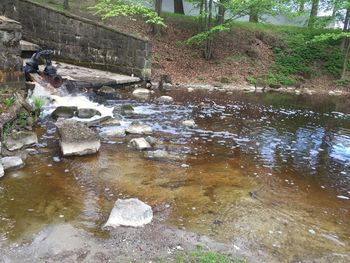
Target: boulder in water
<point>64,112</point>
<point>140,144</point>
<point>1,170</point>
<point>125,109</point>
<point>141,93</point>
<point>152,140</point>
<point>138,128</point>
<point>76,138</point>
<point>129,212</point>
<point>106,90</point>
<point>189,123</point>
<point>113,131</point>
<point>111,122</point>
<point>12,163</point>
<point>87,113</point>
<point>165,99</point>
<point>17,140</point>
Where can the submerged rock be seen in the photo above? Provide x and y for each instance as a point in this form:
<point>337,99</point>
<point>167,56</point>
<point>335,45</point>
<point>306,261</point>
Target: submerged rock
<point>76,138</point>
<point>137,128</point>
<point>189,123</point>
<point>165,99</point>
<point>130,212</point>
<point>88,113</point>
<point>18,140</point>
<point>64,112</point>
<point>140,144</point>
<point>106,90</point>
<point>113,132</point>
<point>161,155</point>
<point>12,162</point>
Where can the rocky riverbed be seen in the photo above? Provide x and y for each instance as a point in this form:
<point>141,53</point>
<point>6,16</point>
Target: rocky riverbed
<point>234,172</point>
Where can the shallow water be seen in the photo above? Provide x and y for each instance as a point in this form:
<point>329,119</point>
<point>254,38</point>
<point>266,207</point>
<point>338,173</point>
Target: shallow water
<point>269,172</point>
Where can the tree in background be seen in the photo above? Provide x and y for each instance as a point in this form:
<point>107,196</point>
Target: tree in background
<point>113,8</point>
<point>179,7</point>
<point>313,12</point>
<point>66,4</point>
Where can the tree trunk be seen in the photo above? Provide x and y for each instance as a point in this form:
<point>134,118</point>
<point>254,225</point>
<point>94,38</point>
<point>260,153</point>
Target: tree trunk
<point>253,15</point>
<point>66,4</point>
<point>158,9</point>
<point>301,6</point>
<point>313,12</point>
<point>209,40</point>
<point>179,7</point>
<point>201,16</point>
<point>221,12</point>
<point>346,58</point>
<point>345,28</point>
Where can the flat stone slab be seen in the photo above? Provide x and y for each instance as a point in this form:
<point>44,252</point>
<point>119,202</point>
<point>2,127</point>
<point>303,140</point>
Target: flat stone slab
<point>130,212</point>
<point>17,140</point>
<point>76,138</point>
<point>12,163</point>
<point>91,77</point>
<point>139,144</point>
<point>28,46</point>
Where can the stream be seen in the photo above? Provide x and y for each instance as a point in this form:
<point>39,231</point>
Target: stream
<point>260,171</point>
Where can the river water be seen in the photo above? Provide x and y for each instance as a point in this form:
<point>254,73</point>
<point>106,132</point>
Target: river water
<point>267,172</point>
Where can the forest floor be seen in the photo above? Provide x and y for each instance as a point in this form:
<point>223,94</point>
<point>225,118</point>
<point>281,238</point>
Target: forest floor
<point>245,55</point>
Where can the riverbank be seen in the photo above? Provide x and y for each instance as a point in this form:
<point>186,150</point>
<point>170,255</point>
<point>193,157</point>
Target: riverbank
<point>247,54</point>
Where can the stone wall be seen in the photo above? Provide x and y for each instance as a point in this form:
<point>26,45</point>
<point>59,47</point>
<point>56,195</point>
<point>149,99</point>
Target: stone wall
<point>82,41</point>
<point>10,51</point>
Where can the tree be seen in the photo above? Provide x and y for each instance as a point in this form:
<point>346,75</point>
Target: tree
<point>179,7</point>
<point>112,8</point>
<point>313,13</point>
<point>66,4</point>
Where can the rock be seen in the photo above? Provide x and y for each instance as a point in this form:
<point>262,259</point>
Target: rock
<point>165,99</point>
<point>161,155</point>
<point>190,89</point>
<point>152,141</point>
<point>113,132</point>
<point>189,123</point>
<point>111,122</point>
<point>76,138</point>
<point>18,140</point>
<point>141,92</point>
<point>125,109</point>
<point>106,90</point>
<point>140,144</point>
<point>87,113</point>
<point>130,212</point>
<point>137,128</point>
<point>64,112</point>
<point>11,163</point>
<point>2,172</point>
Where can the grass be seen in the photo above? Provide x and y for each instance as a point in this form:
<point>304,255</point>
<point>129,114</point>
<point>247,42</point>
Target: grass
<point>204,256</point>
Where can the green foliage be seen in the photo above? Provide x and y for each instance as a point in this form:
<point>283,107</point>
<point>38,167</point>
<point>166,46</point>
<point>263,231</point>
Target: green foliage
<point>22,118</point>
<point>203,256</point>
<point>9,102</point>
<point>6,131</point>
<point>203,36</point>
<point>38,103</point>
<point>113,8</point>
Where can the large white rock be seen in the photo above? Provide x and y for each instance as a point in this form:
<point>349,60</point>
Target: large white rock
<point>1,170</point>
<point>130,212</point>
<point>140,144</point>
<point>11,163</point>
<point>76,138</point>
<point>165,99</point>
<point>141,93</point>
<point>189,123</point>
<point>17,140</point>
<point>137,128</point>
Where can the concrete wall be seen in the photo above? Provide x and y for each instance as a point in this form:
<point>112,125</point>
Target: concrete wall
<point>10,51</point>
<point>82,41</point>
